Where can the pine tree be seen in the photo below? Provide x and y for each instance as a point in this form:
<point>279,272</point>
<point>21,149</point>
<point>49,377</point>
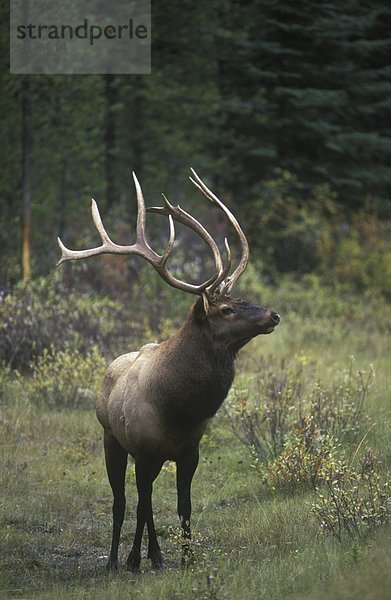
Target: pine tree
<point>314,88</point>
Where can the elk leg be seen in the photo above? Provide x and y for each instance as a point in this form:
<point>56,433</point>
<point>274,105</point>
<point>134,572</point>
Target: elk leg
<point>154,552</point>
<point>186,468</point>
<point>147,470</point>
<point>116,461</point>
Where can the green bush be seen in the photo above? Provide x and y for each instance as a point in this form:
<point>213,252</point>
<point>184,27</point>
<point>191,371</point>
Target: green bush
<point>294,232</point>
<point>361,255</point>
<point>301,232</point>
<point>278,401</point>
<point>263,412</point>
<point>65,379</point>
<point>352,501</point>
<point>44,313</point>
<point>306,459</point>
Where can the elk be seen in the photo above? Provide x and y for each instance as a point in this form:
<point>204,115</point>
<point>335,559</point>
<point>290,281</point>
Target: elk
<point>155,403</point>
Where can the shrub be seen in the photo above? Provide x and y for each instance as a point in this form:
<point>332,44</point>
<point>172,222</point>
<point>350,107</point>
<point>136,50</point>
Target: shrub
<point>353,500</point>
<point>263,416</point>
<point>306,459</point>
<point>43,314</point>
<point>361,255</point>
<point>65,378</point>
<point>294,232</point>
<point>278,403</point>
<point>305,232</point>
<point>339,409</point>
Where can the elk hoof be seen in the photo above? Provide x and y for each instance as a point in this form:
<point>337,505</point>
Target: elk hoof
<point>112,566</point>
<point>133,562</point>
<point>157,560</point>
<point>158,564</point>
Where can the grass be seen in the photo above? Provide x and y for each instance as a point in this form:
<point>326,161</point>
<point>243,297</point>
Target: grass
<point>55,518</point>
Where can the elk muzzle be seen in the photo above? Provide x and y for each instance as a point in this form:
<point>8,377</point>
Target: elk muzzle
<point>264,320</point>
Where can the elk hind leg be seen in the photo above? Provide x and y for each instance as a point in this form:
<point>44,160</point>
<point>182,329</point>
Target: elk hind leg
<point>147,469</point>
<point>116,461</point>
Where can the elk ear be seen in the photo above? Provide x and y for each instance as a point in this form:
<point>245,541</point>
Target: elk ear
<point>201,307</point>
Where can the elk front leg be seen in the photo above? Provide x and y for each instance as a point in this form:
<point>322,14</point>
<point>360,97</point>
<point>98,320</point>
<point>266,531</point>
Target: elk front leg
<point>186,468</point>
<point>116,461</point>
<point>147,470</point>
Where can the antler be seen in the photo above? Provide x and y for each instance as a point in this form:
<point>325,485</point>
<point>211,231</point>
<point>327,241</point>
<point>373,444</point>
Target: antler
<point>142,247</point>
<point>218,283</point>
<point>226,286</point>
<point>181,216</point>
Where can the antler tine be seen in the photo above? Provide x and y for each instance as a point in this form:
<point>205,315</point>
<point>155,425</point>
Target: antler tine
<point>107,245</point>
<point>141,210</point>
<point>215,286</point>
<point>98,223</point>
<point>140,248</point>
<point>227,286</point>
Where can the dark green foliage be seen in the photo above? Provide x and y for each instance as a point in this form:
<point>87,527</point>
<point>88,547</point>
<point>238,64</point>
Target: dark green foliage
<point>297,235</point>
<point>323,71</point>
<point>249,94</point>
<point>310,235</point>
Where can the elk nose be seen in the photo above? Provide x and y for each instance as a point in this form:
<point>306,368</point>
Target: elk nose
<point>275,317</point>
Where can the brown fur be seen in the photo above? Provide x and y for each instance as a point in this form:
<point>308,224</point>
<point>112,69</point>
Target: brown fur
<point>155,405</point>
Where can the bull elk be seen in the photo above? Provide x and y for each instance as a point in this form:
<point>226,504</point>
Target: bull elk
<point>155,403</point>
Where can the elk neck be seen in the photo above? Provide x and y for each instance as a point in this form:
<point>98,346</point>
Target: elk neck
<point>196,372</point>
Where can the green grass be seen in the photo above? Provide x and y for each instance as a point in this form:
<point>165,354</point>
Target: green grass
<point>55,518</point>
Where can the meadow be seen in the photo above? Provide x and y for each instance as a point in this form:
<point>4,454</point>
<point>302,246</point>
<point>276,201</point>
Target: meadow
<point>256,534</point>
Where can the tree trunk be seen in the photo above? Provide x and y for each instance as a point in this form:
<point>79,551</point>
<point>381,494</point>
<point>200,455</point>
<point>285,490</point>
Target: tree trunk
<point>110,140</point>
<point>26,180</point>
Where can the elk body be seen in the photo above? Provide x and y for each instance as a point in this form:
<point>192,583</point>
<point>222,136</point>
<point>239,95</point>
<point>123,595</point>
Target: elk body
<point>156,403</point>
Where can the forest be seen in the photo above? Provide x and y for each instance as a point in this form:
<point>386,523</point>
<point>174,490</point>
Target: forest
<point>283,107</point>
<point>284,110</point>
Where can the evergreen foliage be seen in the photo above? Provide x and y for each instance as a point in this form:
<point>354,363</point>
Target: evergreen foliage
<point>242,92</point>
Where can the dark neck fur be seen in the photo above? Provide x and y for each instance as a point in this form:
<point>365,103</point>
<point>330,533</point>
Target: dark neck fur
<point>203,374</point>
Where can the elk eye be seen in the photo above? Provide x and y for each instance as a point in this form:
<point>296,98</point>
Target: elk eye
<point>227,310</point>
